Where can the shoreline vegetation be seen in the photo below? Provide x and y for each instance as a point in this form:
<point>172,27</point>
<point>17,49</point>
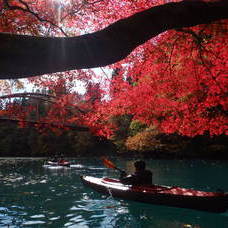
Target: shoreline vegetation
<point>174,84</point>
<point>29,143</point>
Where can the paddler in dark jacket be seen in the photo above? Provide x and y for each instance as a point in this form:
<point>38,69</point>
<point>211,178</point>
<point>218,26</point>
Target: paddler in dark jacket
<point>140,177</point>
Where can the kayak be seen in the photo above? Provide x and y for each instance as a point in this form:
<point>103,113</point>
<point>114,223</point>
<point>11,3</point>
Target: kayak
<point>57,165</point>
<point>160,195</point>
<point>51,163</point>
<point>64,163</point>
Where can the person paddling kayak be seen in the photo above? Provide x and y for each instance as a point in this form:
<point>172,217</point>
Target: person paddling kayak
<point>141,176</point>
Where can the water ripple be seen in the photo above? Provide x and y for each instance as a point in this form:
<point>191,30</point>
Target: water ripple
<point>33,196</point>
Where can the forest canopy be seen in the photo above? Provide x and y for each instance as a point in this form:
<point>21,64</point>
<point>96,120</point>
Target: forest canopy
<point>166,66</point>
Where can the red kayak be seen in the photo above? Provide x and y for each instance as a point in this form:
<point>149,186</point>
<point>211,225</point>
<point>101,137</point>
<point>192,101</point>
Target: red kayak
<point>61,163</point>
<point>160,195</point>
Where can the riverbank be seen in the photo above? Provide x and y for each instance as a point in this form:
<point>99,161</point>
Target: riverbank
<point>20,143</point>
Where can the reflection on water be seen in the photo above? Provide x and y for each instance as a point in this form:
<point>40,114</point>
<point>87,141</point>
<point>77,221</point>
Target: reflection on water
<point>34,196</point>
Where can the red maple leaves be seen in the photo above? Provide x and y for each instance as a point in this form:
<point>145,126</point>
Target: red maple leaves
<point>176,82</point>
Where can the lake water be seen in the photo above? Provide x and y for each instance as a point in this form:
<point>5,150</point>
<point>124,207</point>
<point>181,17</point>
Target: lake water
<point>34,196</point>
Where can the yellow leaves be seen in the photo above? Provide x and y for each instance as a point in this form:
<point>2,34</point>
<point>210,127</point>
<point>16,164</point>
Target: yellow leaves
<point>143,141</point>
<point>186,97</point>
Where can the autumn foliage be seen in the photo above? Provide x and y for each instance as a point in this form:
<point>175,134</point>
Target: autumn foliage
<point>176,82</point>
<point>179,83</point>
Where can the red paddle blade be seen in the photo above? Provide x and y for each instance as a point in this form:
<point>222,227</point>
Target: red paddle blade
<point>108,163</point>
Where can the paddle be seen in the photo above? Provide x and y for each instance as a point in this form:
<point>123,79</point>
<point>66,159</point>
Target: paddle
<point>110,164</point>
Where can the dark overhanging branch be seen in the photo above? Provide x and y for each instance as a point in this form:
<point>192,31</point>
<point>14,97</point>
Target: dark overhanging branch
<point>26,56</point>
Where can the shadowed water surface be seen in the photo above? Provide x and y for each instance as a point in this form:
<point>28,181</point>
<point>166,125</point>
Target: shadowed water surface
<point>34,196</point>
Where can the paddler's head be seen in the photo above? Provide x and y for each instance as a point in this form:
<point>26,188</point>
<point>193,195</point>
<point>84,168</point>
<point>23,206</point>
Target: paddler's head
<point>140,165</point>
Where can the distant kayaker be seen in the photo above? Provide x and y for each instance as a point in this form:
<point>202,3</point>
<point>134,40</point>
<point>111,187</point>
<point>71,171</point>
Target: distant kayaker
<point>55,159</point>
<point>142,176</point>
<point>62,161</point>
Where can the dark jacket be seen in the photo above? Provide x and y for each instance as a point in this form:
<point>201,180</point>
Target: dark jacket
<point>143,177</point>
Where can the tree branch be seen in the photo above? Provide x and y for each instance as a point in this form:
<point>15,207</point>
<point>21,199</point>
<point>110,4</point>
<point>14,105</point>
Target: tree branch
<point>26,56</point>
<point>29,95</point>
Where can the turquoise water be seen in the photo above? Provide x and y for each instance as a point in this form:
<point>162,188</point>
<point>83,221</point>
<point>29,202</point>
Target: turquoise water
<point>34,196</point>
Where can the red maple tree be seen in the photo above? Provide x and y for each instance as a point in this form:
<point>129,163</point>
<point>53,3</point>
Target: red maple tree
<point>176,82</point>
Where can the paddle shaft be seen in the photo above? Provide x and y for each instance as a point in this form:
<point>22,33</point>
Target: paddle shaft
<point>111,165</point>
<point>120,170</point>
